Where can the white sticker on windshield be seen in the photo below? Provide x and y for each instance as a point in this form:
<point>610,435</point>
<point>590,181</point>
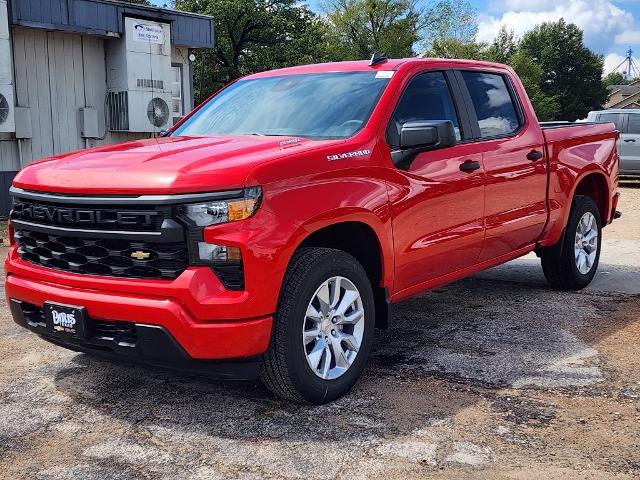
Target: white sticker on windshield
<point>384,74</point>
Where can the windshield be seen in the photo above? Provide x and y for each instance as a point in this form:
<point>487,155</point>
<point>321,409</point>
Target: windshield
<point>316,106</point>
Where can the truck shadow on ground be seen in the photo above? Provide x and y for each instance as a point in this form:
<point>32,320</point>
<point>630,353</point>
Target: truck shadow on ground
<point>446,350</point>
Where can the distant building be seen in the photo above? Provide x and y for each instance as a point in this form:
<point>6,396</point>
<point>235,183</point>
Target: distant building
<point>624,96</point>
<point>81,73</point>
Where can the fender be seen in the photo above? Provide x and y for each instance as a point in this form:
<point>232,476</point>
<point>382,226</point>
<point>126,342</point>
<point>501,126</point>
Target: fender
<point>567,169</point>
<point>380,228</point>
<point>555,230</point>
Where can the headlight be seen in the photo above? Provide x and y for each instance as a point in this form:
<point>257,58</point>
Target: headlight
<point>223,211</point>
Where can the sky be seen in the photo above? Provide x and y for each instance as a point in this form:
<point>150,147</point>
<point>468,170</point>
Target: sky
<point>610,27</point>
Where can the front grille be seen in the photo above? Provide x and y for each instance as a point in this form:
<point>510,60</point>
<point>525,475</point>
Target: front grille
<point>95,256</point>
<point>89,216</point>
<point>142,237</point>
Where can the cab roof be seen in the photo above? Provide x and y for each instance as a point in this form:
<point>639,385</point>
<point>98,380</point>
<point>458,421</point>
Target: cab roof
<point>363,66</point>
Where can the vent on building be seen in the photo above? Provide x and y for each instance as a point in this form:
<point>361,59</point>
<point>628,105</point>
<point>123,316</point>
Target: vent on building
<point>4,109</point>
<point>118,111</point>
<point>148,83</point>
<point>158,112</point>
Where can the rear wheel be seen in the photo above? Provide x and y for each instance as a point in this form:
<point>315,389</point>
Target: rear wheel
<point>577,263</point>
<point>323,328</point>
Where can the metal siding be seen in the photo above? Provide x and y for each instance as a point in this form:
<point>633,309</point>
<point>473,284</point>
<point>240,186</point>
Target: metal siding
<point>21,80</point>
<point>8,155</point>
<point>44,113</point>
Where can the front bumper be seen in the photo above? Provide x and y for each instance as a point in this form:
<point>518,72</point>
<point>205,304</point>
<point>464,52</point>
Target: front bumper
<point>182,308</point>
<point>139,343</point>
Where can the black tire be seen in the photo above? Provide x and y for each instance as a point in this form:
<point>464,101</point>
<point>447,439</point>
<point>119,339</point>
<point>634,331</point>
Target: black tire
<point>285,370</point>
<point>561,270</point>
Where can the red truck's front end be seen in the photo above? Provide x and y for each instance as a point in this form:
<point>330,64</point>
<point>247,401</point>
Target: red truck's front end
<point>168,251</point>
<point>174,279</point>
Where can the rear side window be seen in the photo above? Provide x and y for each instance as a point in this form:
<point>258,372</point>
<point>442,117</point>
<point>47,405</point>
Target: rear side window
<point>427,97</point>
<point>493,103</point>
<point>611,118</point>
<point>633,125</point>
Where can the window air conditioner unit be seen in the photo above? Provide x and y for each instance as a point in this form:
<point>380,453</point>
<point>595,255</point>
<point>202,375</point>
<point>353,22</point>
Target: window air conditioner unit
<point>139,78</point>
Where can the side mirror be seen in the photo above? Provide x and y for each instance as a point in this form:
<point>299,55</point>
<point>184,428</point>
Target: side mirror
<point>418,137</point>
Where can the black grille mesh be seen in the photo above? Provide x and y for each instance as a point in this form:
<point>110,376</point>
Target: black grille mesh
<point>103,257</point>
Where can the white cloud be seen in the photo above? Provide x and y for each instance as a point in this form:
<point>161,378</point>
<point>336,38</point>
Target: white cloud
<point>601,20</point>
<point>628,37</point>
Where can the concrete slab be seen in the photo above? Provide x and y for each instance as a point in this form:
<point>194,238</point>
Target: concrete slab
<point>619,270</point>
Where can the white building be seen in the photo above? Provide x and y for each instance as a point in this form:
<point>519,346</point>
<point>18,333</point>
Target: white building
<point>81,73</point>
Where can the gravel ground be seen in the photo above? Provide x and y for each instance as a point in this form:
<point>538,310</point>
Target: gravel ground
<point>492,377</point>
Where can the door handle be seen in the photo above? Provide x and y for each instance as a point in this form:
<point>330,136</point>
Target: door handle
<point>469,166</point>
<point>629,140</point>
<point>535,155</point>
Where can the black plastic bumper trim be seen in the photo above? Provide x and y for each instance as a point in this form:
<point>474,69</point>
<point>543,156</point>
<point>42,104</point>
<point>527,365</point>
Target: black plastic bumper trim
<point>155,347</point>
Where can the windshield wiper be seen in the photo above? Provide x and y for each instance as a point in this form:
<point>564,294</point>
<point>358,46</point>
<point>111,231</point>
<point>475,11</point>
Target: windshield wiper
<point>258,134</point>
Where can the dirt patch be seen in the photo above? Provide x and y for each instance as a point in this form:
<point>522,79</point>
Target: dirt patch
<point>480,379</point>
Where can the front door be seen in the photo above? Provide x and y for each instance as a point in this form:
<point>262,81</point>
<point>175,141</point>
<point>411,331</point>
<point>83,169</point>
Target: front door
<point>437,207</point>
<point>513,154</point>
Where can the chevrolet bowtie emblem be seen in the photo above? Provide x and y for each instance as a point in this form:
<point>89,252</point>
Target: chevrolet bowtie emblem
<point>140,255</point>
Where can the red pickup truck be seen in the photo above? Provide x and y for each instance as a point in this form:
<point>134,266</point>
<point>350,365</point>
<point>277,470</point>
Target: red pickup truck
<point>267,234</point>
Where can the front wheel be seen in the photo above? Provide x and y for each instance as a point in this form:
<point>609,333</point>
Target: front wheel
<point>323,328</point>
<point>577,263</point>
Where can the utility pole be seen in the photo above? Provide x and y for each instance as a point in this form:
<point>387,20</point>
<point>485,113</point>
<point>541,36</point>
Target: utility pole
<point>631,70</point>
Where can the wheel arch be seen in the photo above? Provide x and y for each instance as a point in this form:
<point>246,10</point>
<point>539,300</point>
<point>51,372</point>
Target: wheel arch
<point>366,241</point>
<point>594,184</point>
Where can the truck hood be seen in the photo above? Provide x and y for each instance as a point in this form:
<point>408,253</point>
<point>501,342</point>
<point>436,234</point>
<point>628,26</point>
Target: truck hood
<point>163,166</point>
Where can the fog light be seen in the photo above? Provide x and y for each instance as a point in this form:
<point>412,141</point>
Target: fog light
<point>210,252</point>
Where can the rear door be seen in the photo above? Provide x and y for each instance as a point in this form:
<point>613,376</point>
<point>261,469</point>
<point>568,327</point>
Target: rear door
<point>512,148</point>
<point>629,144</point>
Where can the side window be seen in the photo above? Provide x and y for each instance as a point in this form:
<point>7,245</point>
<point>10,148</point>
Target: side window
<point>427,97</point>
<point>611,117</point>
<point>493,103</point>
<point>633,125</point>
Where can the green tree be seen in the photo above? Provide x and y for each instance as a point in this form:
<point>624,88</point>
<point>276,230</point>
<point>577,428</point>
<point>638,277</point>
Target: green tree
<point>615,78</point>
<point>455,48</point>
<point>503,47</point>
<point>572,73</point>
<point>547,107</point>
<point>394,27</point>
<point>361,27</point>
<point>252,36</point>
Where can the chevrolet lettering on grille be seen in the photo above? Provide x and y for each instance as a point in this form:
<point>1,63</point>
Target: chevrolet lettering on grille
<point>82,216</point>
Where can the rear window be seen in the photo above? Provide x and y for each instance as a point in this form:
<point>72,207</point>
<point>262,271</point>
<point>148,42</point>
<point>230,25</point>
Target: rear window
<point>633,125</point>
<point>611,118</point>
<point>493,103</point>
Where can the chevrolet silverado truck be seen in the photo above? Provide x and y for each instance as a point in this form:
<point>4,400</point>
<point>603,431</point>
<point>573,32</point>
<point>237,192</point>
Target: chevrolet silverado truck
<point>268,233</point>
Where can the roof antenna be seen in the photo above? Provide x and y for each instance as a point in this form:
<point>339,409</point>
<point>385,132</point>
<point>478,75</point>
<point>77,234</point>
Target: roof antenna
<point>377,58</point>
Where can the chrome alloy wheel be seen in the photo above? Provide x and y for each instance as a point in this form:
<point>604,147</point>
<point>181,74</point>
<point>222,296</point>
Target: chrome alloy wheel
<point>586,243</point>
<point>333,328</point>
